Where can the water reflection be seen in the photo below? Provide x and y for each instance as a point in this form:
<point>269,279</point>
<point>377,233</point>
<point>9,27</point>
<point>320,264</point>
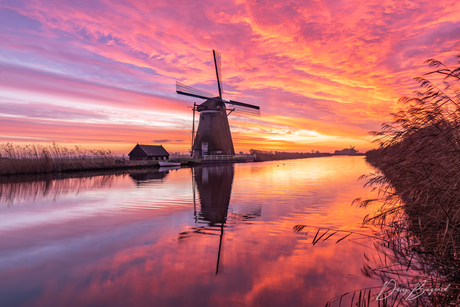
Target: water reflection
<point>214,185</point>
<point>146,177</point>
<point>150,239</point>
<point>30,188</point>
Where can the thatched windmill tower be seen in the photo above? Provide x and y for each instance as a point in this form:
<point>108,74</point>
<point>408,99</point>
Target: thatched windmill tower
<point>213,136</point>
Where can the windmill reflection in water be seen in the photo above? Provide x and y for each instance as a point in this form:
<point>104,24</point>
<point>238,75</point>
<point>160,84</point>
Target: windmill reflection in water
<point>214,186</point>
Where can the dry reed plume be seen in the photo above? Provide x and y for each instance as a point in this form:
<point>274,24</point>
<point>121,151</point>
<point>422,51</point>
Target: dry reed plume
<point>419,163</point>
<point>418,180</point>
<point>34,159</point>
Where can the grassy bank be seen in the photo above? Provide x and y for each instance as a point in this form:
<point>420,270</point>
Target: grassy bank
<point>419,182</point>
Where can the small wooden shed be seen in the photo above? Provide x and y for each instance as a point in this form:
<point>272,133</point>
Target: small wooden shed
<point>148,152</point>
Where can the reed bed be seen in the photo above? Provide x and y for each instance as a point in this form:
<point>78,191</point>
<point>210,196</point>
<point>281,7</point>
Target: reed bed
<point>419,160</point>
<point>418,179</point>
<point>419,185</point>
<point>36,159</point>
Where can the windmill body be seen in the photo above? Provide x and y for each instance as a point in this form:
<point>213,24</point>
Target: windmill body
<point>213,135</point>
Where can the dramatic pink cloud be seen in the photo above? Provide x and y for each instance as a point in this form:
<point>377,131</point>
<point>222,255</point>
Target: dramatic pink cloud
<point>103,73</point>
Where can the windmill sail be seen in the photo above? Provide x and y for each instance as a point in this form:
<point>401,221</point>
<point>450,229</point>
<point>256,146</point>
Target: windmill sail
<point>243,107</point>
<point>213,137</point>
<point>183,89</point>
<point>217,64</point>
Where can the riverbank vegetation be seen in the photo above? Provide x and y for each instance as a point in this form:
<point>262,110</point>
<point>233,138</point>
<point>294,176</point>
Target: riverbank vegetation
<point>37,159</point>
<point>280,155</point>
<point>419,184</point>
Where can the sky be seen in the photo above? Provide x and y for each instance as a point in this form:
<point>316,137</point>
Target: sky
<point>102,74</point>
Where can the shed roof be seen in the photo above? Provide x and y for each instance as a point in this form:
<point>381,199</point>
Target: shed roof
<point>152,150</point>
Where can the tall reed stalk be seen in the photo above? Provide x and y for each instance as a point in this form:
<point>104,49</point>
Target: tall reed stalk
<point>419,182</point>
<point>34,159</point>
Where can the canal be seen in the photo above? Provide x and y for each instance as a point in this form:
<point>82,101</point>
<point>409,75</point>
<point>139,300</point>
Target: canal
<point>218,235</point>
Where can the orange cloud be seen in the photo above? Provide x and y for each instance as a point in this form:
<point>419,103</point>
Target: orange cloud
<point>336,68</point>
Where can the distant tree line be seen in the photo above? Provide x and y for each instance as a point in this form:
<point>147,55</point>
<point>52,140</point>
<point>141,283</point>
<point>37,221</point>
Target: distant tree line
<point>282,155</point>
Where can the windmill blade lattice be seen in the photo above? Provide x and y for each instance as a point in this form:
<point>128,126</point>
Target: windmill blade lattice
<point>183,89</point>
<point>213,136</point>
<point>242,107</point>
<point>217,64</point>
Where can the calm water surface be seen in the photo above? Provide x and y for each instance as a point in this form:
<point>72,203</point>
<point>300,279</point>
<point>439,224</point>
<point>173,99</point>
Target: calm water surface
<point>208,236</point>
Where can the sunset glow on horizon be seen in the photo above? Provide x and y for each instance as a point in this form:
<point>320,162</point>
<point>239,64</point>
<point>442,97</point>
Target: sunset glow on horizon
<point>324,73</point>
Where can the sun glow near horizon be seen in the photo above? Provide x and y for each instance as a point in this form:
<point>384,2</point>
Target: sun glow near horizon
<point>103,75</point>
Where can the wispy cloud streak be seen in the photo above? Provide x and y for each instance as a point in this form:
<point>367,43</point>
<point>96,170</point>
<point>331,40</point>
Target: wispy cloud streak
<point>326,68</point>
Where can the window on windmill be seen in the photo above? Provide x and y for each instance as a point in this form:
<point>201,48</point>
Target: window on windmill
<point>202,117</point>
<point>204,148</point>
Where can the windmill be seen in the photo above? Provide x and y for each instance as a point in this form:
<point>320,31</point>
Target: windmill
<point>213,135</point>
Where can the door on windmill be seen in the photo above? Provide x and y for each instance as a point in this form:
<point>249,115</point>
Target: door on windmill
<point>204,149</point>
